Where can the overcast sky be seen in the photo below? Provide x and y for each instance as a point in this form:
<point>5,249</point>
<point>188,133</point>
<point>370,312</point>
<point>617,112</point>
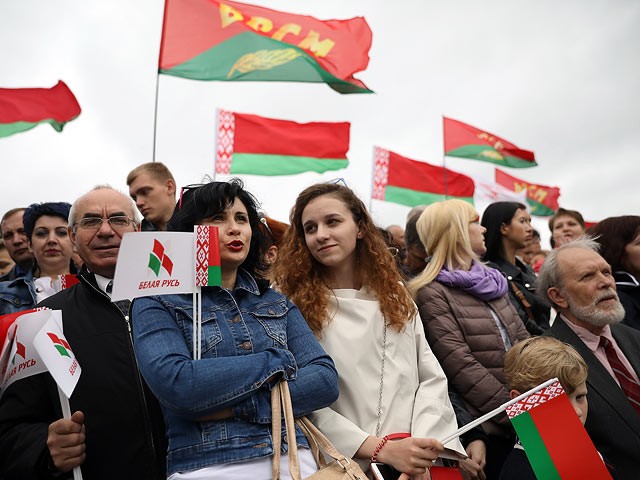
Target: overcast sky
<point>559,78</point>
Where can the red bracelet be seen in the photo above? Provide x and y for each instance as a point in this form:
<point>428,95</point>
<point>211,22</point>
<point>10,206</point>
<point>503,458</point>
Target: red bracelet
<point>385,439</point>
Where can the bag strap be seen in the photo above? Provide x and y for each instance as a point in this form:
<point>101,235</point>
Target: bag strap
<point>294,463</point>
<point>525,303</point>
<point>276,431</point>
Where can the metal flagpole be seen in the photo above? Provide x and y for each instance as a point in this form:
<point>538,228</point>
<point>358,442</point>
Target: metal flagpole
<point>444,163</point>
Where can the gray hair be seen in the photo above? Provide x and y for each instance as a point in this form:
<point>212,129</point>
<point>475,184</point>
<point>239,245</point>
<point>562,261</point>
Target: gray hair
<point>549,275</point>
<point>137,217</point>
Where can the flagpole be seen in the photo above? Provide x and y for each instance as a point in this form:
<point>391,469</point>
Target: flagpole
<point>444,163</point>
<point>66,413</point>
<point>496,411</point>
<point>155,118</point>
<point>195,328</point>
<point>199,295</point>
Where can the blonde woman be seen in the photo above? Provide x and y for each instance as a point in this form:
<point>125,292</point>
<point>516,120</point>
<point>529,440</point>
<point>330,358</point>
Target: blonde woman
<point>335,265</point>
<point>467,317</point>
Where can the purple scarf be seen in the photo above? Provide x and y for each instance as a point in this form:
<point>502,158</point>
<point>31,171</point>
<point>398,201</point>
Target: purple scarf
<point>481,282</point>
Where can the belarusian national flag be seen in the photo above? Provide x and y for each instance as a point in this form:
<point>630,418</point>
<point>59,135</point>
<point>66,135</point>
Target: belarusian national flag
<point>409,182</point>
<point>556,443</point>
<point>267,146</point>
<point>153,263</point>
<point>207,261</point>
<point>543,199</point>
<point>462,140</point>
<point>214,40</point>
<point>56,354</point>
<point>23,108</point>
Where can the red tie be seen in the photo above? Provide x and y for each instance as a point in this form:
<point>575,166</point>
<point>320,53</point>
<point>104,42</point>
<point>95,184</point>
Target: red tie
<point>629,386</point>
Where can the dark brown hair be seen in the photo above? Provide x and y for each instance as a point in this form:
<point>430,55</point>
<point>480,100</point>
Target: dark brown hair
<point>614,234</point>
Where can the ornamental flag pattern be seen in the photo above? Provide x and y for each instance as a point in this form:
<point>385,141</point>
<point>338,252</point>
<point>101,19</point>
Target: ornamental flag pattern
<point>535,400</point>
<point>207,252</point>
<point>226,131</point>
<point>381,173</point>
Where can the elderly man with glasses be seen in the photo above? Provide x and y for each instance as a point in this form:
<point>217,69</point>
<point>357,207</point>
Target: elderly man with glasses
<point>116,428</point>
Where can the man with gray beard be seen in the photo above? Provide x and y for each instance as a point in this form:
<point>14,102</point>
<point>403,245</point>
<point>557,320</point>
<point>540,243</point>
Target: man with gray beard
<point>578,283</point>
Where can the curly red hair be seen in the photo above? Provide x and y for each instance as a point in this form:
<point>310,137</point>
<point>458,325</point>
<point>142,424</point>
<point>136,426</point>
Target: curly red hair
<point>301,277</point>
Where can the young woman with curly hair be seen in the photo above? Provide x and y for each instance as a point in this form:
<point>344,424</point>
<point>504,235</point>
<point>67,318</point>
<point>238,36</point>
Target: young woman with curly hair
<point>336,267</point>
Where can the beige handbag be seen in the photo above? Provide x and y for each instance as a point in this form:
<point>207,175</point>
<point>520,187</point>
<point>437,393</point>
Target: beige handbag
<point>341,468</point>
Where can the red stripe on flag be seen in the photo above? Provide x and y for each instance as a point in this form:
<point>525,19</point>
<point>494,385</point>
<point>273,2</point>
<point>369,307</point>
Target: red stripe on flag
<point>214,247</point>
<point>424,177</point>
<point>255,134</point>
<point>36,104</point>
<point>540,193</point>
<point>567,442</point>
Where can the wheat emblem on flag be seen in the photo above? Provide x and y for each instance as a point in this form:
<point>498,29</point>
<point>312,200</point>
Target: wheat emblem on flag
<point>61,345</point>
<point>158,259</point>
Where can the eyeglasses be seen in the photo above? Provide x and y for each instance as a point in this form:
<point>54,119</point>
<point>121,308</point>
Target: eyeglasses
<point>117,222</point>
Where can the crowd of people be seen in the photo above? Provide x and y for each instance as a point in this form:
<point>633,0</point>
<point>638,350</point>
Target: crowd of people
<point>389,339</point>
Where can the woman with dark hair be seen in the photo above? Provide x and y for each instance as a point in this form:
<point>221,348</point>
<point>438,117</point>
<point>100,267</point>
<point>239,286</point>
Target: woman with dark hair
<point>217,409</point>
<point>619,239</point>
<point>336,267</point>
<point>45,225</point>
<point>509,229</point>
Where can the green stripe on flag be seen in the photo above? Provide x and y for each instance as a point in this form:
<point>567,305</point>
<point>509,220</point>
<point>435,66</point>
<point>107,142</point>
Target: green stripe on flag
<point>411,198</point>
<point>263,164</point>
<point>539,210</point>
<point>486,153</point>
<point>215,276</point>
<point>7,129</point>
<point>534,447</point>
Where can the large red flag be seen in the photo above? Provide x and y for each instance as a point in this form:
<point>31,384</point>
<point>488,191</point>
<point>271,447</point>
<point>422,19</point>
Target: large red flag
<point>214,40</point>
<point>542,199</point>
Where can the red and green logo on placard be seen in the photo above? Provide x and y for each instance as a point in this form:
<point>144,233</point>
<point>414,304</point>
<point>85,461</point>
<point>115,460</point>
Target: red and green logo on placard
<point>60,344</point>
<point>208,270</point>
<point>20,350</point>
<point>158,259</point>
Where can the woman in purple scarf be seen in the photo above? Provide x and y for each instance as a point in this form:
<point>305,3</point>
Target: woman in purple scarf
<point>467,317</point>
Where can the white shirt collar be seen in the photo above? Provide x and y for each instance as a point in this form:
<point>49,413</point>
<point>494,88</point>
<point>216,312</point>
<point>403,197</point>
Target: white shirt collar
<point>103,282</point>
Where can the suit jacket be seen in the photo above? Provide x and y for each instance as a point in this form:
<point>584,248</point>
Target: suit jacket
<point>612,423</point>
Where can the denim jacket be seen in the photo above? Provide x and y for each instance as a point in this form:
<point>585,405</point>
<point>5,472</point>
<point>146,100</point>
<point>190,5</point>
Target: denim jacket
<point>250,341</point>
<point>17,295</point>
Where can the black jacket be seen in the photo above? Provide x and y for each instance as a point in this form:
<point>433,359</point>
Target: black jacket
<point>125,435</point>
<point>522,282</point>
<point>629,292</point>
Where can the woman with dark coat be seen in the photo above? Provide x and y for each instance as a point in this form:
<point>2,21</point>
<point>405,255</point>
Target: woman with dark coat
<point>508,229</point>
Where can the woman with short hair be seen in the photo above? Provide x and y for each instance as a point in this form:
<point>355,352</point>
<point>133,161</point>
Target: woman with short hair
<point>46,228</point>
<point>508,229</point>
<point>565,225</point>
<point>467,317</point>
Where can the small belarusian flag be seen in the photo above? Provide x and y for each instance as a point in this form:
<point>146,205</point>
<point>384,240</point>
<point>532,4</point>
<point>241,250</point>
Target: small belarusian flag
<point>208,270</point>
<point>542,199</point>
<point>68,280</point>
<point>556,443</point>
<point>23,108</point>
<point>410,182</point>
<point>268,146</point>
<point>232,41</point>
<point>462,140</point>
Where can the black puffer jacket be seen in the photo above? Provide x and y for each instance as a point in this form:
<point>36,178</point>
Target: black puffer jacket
<point>125,436</point>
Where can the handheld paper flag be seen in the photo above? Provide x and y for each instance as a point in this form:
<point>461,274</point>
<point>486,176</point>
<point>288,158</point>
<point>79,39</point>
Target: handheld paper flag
<point>154,263</point>
<point>556,443</point>
<point>268,146</point>
<point>207,259</point>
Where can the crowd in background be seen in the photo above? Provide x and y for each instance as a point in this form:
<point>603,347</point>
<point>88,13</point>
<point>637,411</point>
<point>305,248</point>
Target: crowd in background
<point>416,329</point>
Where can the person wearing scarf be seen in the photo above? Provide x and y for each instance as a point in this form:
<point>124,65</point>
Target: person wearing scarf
<point>468,319</point>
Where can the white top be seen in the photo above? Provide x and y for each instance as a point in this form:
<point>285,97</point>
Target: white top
<point>414,396</point>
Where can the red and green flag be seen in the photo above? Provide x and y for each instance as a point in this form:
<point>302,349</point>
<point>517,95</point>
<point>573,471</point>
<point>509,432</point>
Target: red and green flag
<point>542,199</point>
<point>465,141</point>
<point>268,146</point>
<point>23,108</point>
<point>232,41</point>
<point>409,182</point>
<point>557,445</point>
<point>159,259</point>
<point>208,270</point>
